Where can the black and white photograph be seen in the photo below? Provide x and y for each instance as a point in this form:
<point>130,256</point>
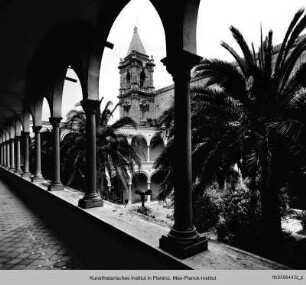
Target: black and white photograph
<point>152,141</point>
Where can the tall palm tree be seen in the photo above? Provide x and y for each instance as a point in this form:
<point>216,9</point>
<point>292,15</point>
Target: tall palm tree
<point>251,112</point>
<point>115,156</point>
<point>268,89</point>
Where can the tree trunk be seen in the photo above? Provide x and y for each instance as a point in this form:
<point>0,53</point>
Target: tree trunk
<point>270,206</point>
<point>271,214</point>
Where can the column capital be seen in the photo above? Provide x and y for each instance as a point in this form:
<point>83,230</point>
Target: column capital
<point>25,133</point>
<point>12,139</point>
<point>17,137</point>
<point>55,121</point>
<point>180,63</point>
<point>36,129</point>
<point>91,106</point>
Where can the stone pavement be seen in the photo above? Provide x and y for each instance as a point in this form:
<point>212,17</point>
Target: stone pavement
<point>26,242</point>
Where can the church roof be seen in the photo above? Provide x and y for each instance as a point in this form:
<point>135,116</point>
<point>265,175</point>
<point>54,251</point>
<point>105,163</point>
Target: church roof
<point>136,43</point>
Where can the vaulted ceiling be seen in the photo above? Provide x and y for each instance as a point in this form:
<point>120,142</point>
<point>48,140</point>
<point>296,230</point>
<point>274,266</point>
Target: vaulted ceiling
<point>33,43</point>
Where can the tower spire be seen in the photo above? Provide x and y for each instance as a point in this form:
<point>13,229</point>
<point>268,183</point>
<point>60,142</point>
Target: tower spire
<point>136,43</point>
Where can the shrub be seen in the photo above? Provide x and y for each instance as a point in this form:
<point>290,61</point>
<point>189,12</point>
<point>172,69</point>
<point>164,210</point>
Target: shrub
<point>205,210</point>
<point>145,211</point>
<point>239,216</point>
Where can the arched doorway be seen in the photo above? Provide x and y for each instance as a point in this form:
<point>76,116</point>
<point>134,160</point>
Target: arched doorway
<point>139,183</point>
<point>140,143</point>
<point>117,191</point>
<point>155,182</point>
<point>156,147</point>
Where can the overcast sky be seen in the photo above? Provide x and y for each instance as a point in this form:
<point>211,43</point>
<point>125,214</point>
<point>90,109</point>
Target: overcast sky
<point>214,20</point>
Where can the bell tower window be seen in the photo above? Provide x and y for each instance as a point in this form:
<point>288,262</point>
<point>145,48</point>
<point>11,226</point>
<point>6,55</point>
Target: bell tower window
<point>128,79</point>
<point>142,78</point>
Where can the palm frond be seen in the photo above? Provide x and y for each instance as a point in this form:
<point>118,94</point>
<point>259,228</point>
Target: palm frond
<point>249,60</point>
<point>290,64</point>
<point>241,63</point>
<point>280,55</point>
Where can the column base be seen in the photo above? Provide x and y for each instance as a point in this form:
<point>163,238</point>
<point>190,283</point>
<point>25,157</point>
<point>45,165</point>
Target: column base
<point>18,172</point>
<point>26,175</point>
<point>38,178</point>
<point>90,202</point>
<point>183,247</point>
<point>12,169</point>
<point>55,186</point>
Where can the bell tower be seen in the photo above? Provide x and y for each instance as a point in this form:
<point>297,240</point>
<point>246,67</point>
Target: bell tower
<point>136,93</point>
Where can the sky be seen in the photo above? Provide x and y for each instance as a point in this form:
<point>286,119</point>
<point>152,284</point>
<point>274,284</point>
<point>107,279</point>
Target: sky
<point>214,19</point>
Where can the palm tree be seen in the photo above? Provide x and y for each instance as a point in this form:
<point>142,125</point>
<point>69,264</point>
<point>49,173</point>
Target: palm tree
<point>251,113</point>
<point>214,133</point>
<point>115,156</point>
<point>268,92</point>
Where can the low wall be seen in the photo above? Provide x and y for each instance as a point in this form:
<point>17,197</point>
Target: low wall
<point>99,244</point>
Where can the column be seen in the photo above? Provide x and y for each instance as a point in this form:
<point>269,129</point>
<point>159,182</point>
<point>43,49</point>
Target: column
<point>18,170</point>
<point>148,153</point>
<point>37,176</point>
<point>148,188</point>
<point>1,153</point>
<point>4,155</point>
<point>130,193</point>
<point>8,163</point>
<point>26,163</point>
<point>183,240</point>
<point>12,150</point>
<point>91,198</point>
<point>56,183</point>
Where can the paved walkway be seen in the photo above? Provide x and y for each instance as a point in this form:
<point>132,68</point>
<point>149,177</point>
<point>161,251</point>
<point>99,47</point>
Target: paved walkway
<point>26,242</point>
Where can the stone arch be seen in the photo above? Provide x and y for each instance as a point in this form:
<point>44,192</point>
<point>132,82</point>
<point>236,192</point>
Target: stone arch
<point>156,147</point>
<point>36,110</point>
<point>46,110</point>
<point>118,190</point>
<point>180,30</point>
<point>71,86</point>
<point>139,182</point>
<point>54,95</point>
<point>7,134</point>
<point>141,143</point>
<point>155,182</point>
<point>12,130</point>
<point>67,43</point>
<point>18,127</point>
<point>25,120</point>
<point>108,22</point>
